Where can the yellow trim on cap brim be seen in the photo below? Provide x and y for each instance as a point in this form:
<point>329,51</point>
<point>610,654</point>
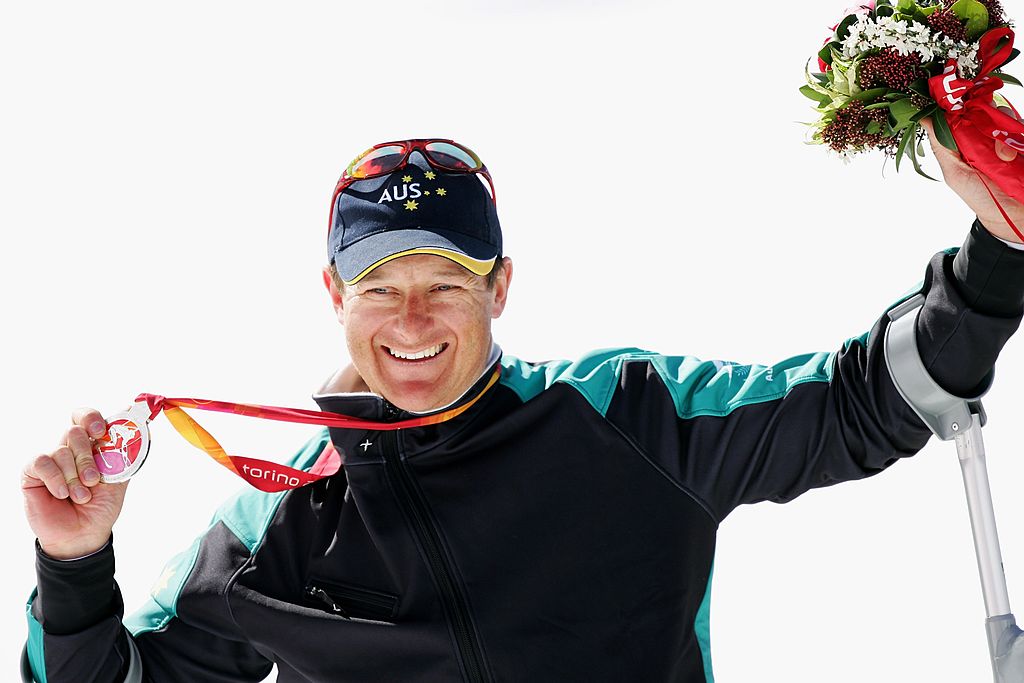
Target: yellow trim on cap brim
<point>473,265</point>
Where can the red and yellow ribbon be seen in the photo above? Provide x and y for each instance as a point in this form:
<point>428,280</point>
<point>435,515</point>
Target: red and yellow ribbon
<point>272,477</point>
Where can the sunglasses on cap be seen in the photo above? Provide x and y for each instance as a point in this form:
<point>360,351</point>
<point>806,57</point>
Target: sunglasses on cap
<point>388,157</point>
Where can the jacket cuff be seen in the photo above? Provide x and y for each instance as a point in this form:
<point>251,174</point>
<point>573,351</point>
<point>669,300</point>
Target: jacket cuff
<point>990,274</point>
<point>75,594</point>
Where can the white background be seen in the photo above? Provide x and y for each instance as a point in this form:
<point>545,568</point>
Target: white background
<point>165,178</point>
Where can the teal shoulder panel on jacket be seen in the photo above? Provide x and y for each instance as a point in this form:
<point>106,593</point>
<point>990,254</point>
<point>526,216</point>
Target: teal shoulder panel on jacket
<point>36,657</point>
<point>247,514</point>
<point>717,387</point>
<point>529,379</point>
<point>595,375</point>
<point>697,387</point>
<point>700,387</point>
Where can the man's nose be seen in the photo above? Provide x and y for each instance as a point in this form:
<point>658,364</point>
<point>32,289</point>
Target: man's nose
<point>413,316</point>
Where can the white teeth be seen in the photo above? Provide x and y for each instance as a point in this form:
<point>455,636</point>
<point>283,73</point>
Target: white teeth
<point>425,353</point>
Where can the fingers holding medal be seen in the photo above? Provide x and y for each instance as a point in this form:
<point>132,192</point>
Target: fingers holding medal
<point>121,451</point>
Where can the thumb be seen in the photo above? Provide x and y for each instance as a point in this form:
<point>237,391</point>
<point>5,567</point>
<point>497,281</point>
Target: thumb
<point>1005,152</point>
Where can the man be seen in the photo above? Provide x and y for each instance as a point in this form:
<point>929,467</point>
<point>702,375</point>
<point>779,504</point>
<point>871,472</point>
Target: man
<point>552,521</point>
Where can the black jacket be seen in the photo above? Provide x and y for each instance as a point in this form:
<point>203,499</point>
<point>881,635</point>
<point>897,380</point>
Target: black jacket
<point>562,529</point>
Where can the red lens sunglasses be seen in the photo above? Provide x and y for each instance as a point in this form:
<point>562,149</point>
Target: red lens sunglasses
<point>388,157</point>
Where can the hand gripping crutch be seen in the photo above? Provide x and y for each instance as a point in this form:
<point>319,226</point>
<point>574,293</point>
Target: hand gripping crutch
<point>960,420</point>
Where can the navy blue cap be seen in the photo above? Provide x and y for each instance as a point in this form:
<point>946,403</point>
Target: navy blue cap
<point>418,209</point>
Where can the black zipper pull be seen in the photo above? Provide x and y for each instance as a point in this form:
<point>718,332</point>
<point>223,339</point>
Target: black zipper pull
<point>322,596</point>
<point>391,411</point>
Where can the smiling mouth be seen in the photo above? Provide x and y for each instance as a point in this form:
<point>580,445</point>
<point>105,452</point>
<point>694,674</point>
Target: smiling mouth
<point>417,356</point>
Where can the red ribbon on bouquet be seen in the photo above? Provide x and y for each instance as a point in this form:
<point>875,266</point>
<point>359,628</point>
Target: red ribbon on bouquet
<point>269,476</point>
<point>975,122</point>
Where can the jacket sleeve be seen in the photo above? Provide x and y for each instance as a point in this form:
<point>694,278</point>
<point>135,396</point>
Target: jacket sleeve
<point>76,631</point>
<point>731,434</point>
<point>184,632</point>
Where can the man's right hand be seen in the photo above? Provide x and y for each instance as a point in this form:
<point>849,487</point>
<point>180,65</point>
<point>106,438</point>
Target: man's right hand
<point>67,507</point>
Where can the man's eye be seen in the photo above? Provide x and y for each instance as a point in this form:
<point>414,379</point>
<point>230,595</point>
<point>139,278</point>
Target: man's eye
<point>377,290</point>
<point>445,288</point>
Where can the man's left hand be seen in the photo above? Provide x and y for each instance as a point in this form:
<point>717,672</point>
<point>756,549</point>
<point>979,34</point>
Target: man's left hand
<point>966,182</point>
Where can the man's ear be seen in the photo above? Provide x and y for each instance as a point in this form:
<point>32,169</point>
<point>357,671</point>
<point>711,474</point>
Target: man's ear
<point>501,285</point>
<point>337,299</point>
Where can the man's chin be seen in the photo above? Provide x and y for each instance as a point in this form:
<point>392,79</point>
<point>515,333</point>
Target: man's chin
<point>417,396</point>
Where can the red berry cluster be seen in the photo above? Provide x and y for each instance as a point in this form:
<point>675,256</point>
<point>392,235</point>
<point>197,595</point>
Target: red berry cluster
<point>890,69</point>
<point>948,23</point>
<point>847,129</point>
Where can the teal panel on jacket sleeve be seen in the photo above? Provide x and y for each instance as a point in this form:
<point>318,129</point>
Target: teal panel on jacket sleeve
<point>596,374</point>
<point>529,379</point>
<point>702,627</point>
<point>36,658</point>
<point>248,515</point>
<point>162,604</point>
<point>702,387</point>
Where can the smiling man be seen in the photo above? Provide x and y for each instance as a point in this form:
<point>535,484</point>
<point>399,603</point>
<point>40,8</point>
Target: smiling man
<point>541,521</point>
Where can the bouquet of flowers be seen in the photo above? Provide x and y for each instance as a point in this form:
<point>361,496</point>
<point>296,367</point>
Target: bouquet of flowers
<point>892,63</point>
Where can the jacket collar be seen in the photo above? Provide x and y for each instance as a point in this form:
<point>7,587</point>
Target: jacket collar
<point>371,406</point>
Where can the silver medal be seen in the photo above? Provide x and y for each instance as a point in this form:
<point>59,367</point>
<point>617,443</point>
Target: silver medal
<point>120,453</point>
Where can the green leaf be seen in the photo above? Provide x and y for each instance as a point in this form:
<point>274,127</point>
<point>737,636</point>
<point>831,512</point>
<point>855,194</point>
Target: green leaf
<point>843,29</point>
<point>840,79</point>
<point>825,53</point>
<point>821,78</point>
<point>912,131</point>
<point>884,10</point>
<point>878,105</point>
<point>814,94</point>
<point>813,84</point>
<point>927,111</point>
<point>902,148</point>
<point>1007,78</point>
<point>913,15</point>
<point>920,86</point>
<point>905,6</point>
<point>942,132</point>
<point>870,94</point>
<point>838,102</point>
<point>902,111</point>
<point>926,11</point>
<point>873,127</point>
<point>974,14</point>
<point>1013,55</point>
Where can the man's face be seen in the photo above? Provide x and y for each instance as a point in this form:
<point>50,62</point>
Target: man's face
<point>418,328</point>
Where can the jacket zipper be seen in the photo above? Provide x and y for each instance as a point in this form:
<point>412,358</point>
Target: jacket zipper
<point>321,595</point>
<point>454,601</point>
<point>381,605</point>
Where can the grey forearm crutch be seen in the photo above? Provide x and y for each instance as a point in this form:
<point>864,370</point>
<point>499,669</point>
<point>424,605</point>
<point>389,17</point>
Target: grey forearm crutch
<point>960,420</point>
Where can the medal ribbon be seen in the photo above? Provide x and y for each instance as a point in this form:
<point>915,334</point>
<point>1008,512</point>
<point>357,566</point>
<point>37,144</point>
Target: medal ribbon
<point>975,122</point>
<point>268,476</point>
